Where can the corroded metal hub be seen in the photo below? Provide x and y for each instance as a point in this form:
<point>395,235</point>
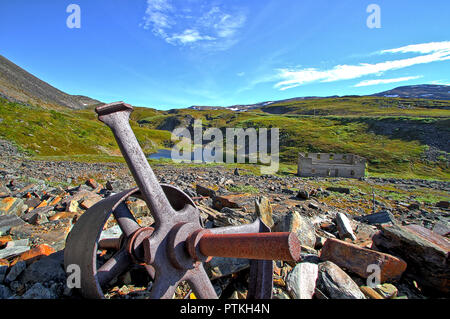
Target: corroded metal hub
<point>135,245</point>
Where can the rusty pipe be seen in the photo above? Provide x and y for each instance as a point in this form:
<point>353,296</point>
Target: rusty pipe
<point>110,243</point>
<point>258,246</point>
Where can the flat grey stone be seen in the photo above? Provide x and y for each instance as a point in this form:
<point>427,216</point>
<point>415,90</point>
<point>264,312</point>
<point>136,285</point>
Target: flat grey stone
<point>336,284</point>
<point>15,271</point>
<point>16,286</point>
<point>113,232</point>
<point>9,221</point>
<point>220,267</point>
<point>14,209</point>
<point>442,229</point>
<point>38,291</point>
<point>344,227</point>
<point>382,217</point>
<point>44,270</point>
<point>38,215</point>
<point>300,225</point>
<point>17,243</point>
<point>5,292</point>
<point>343,190</point>
<point>3,270</point>
<point>301,281</point>
<point>13,250</point>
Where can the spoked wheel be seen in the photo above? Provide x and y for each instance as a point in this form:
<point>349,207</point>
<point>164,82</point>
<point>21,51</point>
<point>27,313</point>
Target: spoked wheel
<point>84,241</point>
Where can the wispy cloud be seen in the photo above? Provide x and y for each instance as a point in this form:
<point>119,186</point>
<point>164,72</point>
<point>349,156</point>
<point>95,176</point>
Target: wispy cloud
<point>386,81</point>
<point>429,52</point>
<point>422,48</point>
<point>441,82</point>
<point>188,36</point>
<point>158,17</point>
<point>206,25</point>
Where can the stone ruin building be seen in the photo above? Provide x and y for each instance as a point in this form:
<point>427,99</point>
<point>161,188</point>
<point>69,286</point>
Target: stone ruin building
<point>331,165</point>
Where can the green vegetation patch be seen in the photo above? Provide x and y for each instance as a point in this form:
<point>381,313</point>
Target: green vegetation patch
<point>45,132</point>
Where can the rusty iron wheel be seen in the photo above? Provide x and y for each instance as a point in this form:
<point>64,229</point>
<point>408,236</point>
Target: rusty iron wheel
<point>175,250</point>
<point>83,242</point>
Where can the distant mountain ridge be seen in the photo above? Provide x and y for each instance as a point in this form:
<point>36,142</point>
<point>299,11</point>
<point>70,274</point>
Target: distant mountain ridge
<point>422,91</point>
<point>18,85</point>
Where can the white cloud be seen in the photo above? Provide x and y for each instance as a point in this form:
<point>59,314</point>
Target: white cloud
<point>206,25</point>
<point>157,16</point>
<point>386,81</point>
<point>188,36</point>
<point>422,48</point>
<point>440,82</point>
<point>431,52</point>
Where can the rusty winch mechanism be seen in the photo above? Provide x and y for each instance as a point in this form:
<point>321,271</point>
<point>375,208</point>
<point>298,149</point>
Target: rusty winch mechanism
<point>177,245</point>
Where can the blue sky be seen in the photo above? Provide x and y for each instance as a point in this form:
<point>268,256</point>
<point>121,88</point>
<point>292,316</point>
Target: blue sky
<point>177,53</point>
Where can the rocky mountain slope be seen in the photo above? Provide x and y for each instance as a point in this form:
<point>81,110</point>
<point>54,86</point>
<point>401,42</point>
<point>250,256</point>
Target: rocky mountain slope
<point>423,91</point>
<point>16,84</point>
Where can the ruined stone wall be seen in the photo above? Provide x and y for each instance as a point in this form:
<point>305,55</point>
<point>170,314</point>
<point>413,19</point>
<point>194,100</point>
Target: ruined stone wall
<point>331,165</point>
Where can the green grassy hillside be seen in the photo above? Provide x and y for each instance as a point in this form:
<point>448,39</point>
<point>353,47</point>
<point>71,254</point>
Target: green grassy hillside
<point>363,106</point>
<point>399,137</point>
<point>43,132</point>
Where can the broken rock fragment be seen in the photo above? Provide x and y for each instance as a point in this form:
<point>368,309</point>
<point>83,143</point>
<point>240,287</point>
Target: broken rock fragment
<point>233,201</point>
<point>14,248</point>
<point>220,266</point>
<point>343,190</point>
<point>387,291</point>
<point>4,265</point>
<point>426,253</point>
<point>38,215</point>
<point>35,254</point>
<point>53,233</point>
<point>358,259</point>
<point>264,210</point>
<point>303,194</point>
<point>38,291</point>
<point>344,227</point>
<point>336,284</point>
<point>5,292</point>
<point>15,271</point>
<point>90,201</point>
<point>301,281</point>
<point>204,191</point>
<point>300,225</point>
<point>44,270</point>
<point>382,217</point>
<point>370,293</point>
<point>11,205</point>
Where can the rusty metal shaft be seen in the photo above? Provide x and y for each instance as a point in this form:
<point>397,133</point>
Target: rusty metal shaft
<point>259,246</point>
<point>116,116</point>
